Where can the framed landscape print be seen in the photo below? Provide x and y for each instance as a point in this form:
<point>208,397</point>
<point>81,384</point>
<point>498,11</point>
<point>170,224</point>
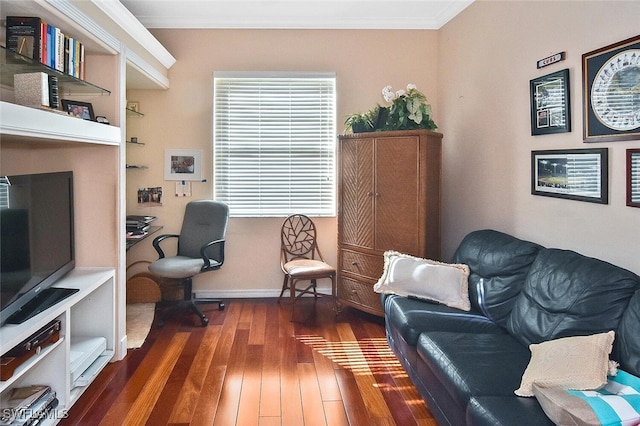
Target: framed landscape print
<point>611,98</point>
<point>575,174</point>
<point>550,106</point>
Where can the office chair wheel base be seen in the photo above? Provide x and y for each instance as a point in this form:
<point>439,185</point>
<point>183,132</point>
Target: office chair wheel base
<point>221,307</point>
<point>204,321</point>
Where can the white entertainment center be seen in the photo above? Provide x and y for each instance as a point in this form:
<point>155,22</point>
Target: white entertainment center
<point>120,54</point>
<point>85,316</point>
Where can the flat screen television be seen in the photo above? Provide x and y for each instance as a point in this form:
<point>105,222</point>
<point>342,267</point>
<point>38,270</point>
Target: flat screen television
<point>36,239</point>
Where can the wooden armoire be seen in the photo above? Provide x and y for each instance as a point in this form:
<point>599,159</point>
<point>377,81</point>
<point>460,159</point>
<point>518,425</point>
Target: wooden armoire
<point>388,199</point>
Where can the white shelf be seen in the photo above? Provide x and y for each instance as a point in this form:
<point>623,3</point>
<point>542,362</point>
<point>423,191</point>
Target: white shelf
<point>88,312</point>
<point>24,122</point>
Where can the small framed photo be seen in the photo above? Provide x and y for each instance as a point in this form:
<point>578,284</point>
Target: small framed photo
<point>79,109</point>
<point>183,164</point>
<point>633,177</point>
<point>550,104</point>
<point>574,174</point>
<point>133,106</point>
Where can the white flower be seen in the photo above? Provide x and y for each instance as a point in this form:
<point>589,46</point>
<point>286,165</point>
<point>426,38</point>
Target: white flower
<point>411,87</point>
<point>400,93</point>
<point>387,94</point>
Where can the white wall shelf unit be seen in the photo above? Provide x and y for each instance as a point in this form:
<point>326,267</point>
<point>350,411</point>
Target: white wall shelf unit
<point>120,54</point>
<point>33,123</point>
<point>90,312</point>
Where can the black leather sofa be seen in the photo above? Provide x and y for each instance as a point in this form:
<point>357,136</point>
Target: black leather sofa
<point>466,365</point>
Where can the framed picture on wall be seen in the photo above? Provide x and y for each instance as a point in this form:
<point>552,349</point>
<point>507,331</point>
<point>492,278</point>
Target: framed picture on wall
<point>183,164</point>
<point>574,174</point>
<point>633,177</point>
<point>611,99</point>
<point>550,105</point>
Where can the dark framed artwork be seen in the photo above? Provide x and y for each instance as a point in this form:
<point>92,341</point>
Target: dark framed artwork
<point>633,177</point>
<point>79,109</point>
<point>611,99</point>
<point>574,174</point>
<point>550,104</point>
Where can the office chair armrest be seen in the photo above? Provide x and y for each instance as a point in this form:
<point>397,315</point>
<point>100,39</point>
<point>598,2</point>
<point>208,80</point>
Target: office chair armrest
<point>157,240</point>
<point>207,260</point>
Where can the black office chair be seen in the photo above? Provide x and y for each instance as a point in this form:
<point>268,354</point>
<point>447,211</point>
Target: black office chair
<point>200,249</point>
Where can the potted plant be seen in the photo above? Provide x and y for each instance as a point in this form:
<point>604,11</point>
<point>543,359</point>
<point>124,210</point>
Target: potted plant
<point>409,110</point>
<point>359,123</point>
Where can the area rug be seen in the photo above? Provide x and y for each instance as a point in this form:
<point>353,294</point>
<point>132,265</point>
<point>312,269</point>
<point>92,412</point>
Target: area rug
<point>139,320</point>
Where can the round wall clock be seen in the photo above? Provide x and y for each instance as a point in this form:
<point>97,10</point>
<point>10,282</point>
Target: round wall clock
<point>615,94</point>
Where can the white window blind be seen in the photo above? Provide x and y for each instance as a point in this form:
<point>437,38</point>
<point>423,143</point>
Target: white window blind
<point>274,143</point>
<point>4,192</point>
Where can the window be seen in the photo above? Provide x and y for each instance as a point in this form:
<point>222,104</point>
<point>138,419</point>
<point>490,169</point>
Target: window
<point>4,192</point>
<point>274,143</point>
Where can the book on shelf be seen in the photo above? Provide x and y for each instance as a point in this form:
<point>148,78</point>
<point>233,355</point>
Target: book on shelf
<point>23,35</point>
<point>36,89</point>
<point>32,89</point>
<point>34,38</point>
<point>28,405</point>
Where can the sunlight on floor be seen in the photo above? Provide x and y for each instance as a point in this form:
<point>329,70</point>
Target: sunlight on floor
<point>367,356</point>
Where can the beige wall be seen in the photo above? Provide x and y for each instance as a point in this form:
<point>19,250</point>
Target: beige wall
<point>487,56</point>
<point>181,117</point>
<point>475,72</point>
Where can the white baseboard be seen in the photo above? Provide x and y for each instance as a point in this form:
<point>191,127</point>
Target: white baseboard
<point>248,294</point>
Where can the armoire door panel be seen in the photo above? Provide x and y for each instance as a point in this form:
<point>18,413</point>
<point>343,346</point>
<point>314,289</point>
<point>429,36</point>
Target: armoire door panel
<point>396,192</point>
<point>357,193</point>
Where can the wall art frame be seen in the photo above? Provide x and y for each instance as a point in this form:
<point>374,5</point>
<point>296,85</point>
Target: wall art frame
<point>79,109</point>
<point>574,174</point>
<point>633,177</point>
<point>611,106</point>
<point>183,164</point>
<point>550,103</point>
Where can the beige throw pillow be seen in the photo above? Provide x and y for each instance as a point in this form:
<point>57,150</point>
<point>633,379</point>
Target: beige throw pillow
<point>577,363</point>
<point>407,275</point>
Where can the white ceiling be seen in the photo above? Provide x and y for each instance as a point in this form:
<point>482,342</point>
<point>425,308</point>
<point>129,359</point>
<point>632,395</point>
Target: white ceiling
<point>321,14</point>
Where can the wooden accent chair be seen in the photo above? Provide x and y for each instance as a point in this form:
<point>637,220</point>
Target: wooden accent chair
<point>301,260</point>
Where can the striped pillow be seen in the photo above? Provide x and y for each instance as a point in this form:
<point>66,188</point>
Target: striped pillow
<point>617,403</point>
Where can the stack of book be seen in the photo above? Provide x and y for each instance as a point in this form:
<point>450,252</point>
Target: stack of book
<point>138,226</point>
<point>34,38</point>
<point>29,405</point>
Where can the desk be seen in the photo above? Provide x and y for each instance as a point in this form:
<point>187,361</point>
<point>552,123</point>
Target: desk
<point>132,241</point>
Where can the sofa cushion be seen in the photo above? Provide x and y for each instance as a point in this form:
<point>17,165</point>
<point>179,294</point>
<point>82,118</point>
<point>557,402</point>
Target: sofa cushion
<point>469,364</point>
<point>410,317</point>
<point>577,362</point>
<point>505,410</point>
<point>407,275</point>
<point>499,264</point>
<point>568,294</point>
<point>627,344</point>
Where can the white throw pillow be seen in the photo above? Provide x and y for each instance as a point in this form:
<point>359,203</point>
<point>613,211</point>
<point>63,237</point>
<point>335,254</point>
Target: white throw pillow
<point>407,275</point>
<point>576,363</point>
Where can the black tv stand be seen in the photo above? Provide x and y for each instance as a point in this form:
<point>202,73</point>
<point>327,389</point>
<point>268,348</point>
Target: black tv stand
<point>44,300</point>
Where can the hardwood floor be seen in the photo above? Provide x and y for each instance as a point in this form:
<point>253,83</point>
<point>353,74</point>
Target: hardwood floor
<point>253,366</point>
